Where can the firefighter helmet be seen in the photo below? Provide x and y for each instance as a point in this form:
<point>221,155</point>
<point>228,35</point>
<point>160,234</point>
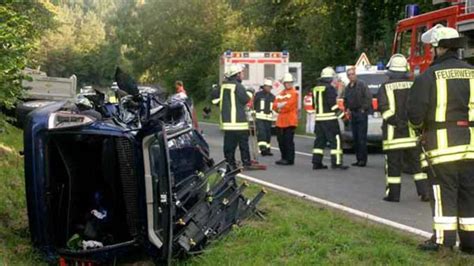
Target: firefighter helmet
<point>441,36</point>
<point>268,82</point>
<point>328,72</point>
<point>234,69</point>
<point>398,63</point>
<point>287,78</point>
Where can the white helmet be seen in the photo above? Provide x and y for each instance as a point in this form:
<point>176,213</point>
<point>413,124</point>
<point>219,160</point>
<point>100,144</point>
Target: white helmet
<point>443,36</point>
<point>328,72</point>
<point>268,82</point>
<point>234,69</point>
<point>398,63</point>
<point>287,78</point>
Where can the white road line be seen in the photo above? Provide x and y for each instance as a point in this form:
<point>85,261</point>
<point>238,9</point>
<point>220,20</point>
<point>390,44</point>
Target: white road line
<point>340,207</point>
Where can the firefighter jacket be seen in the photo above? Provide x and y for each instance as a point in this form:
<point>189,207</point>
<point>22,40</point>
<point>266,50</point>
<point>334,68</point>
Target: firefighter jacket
<point>441,103</point>
<point>325,101</point>
<point>288,113</point>
<point>392,100</point>
<point>232,99</point>
<point>262,104</point>
<point>308,103</point>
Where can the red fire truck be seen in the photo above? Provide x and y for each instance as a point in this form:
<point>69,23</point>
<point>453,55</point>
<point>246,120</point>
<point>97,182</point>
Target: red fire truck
<point>459,14</point>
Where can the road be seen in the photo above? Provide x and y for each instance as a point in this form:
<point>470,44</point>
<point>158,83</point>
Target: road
<point>358,188</point>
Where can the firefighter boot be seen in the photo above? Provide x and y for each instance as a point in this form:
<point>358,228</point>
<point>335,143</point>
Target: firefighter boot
<point>393,193</point>
<point>431,245</point>
<point>319,166</point>
<point>422,190</point>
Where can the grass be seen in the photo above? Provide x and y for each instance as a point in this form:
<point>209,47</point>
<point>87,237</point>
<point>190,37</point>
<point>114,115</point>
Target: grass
<point>15,248</point>
<point>295,232</point>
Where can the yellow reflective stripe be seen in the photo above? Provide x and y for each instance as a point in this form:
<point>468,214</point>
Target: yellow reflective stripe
<point>250,94</point>
<point>451,158</point>
<point>233,108</point>
<point>263,116</point>
<point>466,224</point>
<point>442,138</point>
<point>390,132</point>
<point>471,100</point>
<point>320,106</point>
<point>441,100</point>
<point>450,150</point>
<point>394,179</point>
<point>216,101</point>
<point>445,227</point>
<point>325,118</point>
<point>387,114</point>
<point>339,150</point>
<point>113,99</point>
<point>262,143</point>
<point>411,125</point>
<point>471,132</point>
<point>438,212</point>
<point>420,176</point>
<point>318,151</point>
<point>334,107</point>
<point>235,126</point>
<point>391,99</point>
<point>262,104</point>
<point>398,146</point>
<point>335,151</point>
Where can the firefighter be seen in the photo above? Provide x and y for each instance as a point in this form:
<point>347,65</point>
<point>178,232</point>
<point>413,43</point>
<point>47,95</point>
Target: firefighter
<point>400,142</point>
<point>286,105</point>
<point>441,105</point>
<point>232,98</point>
<point>262,103</point>
<point>309,108</point>
<point>327,127</point>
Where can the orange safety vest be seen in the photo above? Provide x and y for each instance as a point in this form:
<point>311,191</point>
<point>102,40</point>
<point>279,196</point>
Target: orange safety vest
<point>308,103</point>
<point>288,114</point>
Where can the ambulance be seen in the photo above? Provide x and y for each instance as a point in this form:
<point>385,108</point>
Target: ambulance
<point>262,65</point>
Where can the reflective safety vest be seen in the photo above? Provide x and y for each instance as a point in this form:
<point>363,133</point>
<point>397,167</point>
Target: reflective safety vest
<point>441,103</point>
<point>308,103</point>
<point>232,99</point>
<point>392,99</point>
<point>325,101</point>
<point>262,104</point>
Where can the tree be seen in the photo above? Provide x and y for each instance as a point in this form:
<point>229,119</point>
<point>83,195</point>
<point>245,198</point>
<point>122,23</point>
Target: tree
<point>20,26</point>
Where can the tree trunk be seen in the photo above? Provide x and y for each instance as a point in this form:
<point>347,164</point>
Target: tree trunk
<point>359,25</point>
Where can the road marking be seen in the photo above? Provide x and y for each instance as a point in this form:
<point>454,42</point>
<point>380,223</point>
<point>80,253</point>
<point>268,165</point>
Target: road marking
<point>340,207</point>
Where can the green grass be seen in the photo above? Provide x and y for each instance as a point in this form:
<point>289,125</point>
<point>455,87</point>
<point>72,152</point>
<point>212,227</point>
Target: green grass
<point>15,248</point>
<point>294,232</point>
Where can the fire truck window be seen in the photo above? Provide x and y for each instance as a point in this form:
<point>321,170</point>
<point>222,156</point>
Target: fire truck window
<point>246,72</point>
<point>269,71</point>
<point>420,48</point>
<point>404,45</point>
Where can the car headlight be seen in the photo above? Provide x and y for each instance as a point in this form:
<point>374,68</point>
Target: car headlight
<point>65,120</point>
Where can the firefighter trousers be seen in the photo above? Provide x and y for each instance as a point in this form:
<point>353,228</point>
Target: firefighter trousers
<point>286,143</point>
<point>232,139</point>
<point>327,132</point>
<point>394,164</point>
<point>452,203</point>
<point>264,134</point>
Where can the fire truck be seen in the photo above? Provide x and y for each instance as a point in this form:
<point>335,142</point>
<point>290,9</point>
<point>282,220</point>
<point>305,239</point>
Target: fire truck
<point>263,65</point>
<point>459,14</point>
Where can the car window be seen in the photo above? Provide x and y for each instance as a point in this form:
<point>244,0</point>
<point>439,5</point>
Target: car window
<point>373,81</point>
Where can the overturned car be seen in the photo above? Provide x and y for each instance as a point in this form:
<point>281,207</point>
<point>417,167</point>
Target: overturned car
<point>105,179</point>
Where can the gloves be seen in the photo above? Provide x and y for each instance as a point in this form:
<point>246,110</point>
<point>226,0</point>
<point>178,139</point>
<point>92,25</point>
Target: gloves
<point>281,105</point>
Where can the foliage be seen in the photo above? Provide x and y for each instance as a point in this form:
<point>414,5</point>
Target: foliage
<point>20,25</point>
<point>83,43</point>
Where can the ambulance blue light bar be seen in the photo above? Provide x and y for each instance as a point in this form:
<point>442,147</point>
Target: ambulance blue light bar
<point>340,69</point>
<point>284,53</point>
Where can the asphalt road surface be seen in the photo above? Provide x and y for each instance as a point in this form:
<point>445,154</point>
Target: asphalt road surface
<point>359,188</point>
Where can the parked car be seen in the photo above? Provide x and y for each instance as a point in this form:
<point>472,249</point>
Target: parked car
<point>373,80</point>
<point>103,180</point>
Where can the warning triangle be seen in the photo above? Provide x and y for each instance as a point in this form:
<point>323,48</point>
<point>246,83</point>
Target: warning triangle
<point>363,61</point>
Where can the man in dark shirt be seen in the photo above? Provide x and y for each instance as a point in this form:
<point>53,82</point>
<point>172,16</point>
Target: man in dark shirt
<point>357,102</point>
